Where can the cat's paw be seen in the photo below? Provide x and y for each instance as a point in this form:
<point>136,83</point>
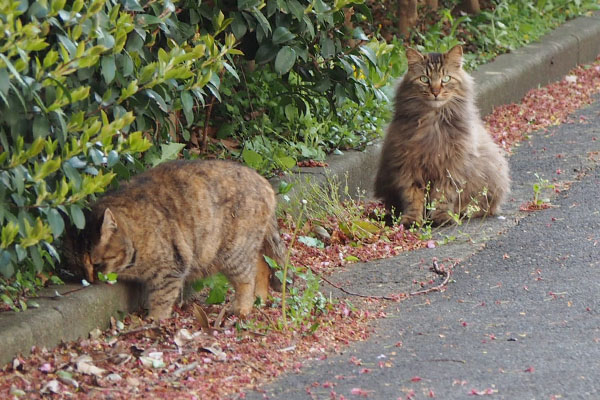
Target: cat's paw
<point>440,218</point>
<point>159,315</point>
<point>409,220</point>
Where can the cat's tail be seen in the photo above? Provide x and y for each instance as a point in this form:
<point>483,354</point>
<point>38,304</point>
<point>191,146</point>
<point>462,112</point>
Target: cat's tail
<point>274,248</point>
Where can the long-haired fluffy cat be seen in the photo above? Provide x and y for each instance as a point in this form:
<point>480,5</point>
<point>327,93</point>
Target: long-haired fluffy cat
<point>182,221</point>
<point>437,155</point>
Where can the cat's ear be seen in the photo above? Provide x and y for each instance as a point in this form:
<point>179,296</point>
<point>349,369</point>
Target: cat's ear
<point>109,224</point>
<point>413,56</point>
<point>455,56</point>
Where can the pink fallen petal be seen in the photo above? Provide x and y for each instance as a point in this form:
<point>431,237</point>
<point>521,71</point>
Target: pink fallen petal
<point>46,367</point>
<point>359,392</point>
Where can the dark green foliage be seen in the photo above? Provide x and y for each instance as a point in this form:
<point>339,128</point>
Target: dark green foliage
<point>82,87</point>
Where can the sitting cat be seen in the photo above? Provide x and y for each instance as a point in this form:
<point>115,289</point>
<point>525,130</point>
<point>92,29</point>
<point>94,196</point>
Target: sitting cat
<point>182,221</point>
<point>436,149</point>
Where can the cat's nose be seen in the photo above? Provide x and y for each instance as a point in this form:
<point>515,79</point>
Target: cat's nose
<point>435,92</point>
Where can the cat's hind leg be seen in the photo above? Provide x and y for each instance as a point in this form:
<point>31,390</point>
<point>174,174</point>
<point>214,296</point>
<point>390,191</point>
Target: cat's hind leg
<point>263,274</point>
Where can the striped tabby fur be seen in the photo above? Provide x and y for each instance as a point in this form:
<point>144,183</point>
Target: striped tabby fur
<point>181,221</point>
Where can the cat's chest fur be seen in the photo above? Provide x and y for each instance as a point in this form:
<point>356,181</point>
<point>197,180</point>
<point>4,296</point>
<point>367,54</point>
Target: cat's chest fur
<point>441,142</point>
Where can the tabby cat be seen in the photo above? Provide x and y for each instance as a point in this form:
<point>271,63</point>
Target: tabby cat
<point>436,150</point>
<point>181,221</point>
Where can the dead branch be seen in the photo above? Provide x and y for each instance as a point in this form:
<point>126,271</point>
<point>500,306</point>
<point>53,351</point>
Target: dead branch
<point>435,268</point>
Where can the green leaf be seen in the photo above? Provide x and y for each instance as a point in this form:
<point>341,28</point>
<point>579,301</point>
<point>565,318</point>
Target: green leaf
<point>41,126</point>
<point>285,60</point>
<point>285,162</point>
<point>320,6</point>
<point>112,158</point>
<point>296,9</point>
<point>271,263</point>
<point>248,4</point>
<point>9,302</point>
<point>158,99</point>
<point>327,47</point>
<point>47,168</point>
<point>284,187</point>
<point>252,159</point>
<point>358,33</point>
<point>216,295</point>
<point>6,267</point>
<point>169,151</point>
<point>77,216</point>
<point>311,242</point>
<point>108,68</point>
<point>368,52</point>
<point>238,26</point>
<point>266,52</point>
<point>57,224</point>
<point>187,101</point>
<point>281,34</point>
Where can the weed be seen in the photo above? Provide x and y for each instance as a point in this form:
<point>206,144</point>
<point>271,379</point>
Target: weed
<point>539,189</point>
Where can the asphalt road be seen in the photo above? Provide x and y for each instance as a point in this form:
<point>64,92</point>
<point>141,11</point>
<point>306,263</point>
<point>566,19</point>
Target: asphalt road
<point>521,318</point>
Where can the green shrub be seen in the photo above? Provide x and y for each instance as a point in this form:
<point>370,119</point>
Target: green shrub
<point>310,82</point>
<point>84,89</point>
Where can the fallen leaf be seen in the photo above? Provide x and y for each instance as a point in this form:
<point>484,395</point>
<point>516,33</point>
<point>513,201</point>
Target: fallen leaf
<point>52,386</point>
<point>220,354</point>
<point>182,337</point>
<point>95,334</point>
<point>67,378</point>
<point>85,366</point>
<point>200,316</point>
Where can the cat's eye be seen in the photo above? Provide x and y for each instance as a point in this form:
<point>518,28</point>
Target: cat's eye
<point>424,79</point>
<point>446,79</point>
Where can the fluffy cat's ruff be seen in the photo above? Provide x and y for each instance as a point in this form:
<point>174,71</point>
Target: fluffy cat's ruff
<point>436,148</point>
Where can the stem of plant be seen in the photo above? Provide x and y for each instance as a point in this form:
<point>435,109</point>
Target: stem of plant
<point>285,268</point>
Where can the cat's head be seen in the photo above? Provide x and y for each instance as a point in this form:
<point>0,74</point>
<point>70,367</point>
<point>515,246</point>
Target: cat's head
<point>113,251</point>
<point>436,78</point>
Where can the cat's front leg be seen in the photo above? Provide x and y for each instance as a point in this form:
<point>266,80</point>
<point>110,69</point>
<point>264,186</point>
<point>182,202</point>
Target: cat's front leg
<point>162,296</point>
<point>414,198</point>
<point>444,203</point>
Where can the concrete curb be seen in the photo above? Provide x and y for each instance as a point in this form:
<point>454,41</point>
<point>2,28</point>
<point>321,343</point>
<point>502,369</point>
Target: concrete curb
<point>503,81</point>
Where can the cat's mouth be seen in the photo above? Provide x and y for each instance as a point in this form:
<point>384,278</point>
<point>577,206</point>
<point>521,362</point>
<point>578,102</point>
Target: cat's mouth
<point>437,102</point>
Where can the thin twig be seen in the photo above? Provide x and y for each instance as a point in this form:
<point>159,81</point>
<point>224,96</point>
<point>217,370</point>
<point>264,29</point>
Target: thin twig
<point>367,296</point>
<point>219,320</point>
<point>140,329</point>
<point>267,317</point>
<point>258,369</point>
<point>61,294</point>
<point>446,360</point>
<point>435,268</point>
<point>186,368</point>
